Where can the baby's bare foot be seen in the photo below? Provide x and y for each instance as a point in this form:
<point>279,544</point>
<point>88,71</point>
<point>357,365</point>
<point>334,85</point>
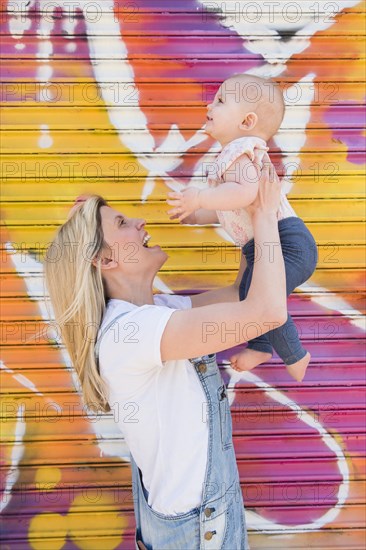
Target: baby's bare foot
<point>248,359</point>
<point>297,370</point>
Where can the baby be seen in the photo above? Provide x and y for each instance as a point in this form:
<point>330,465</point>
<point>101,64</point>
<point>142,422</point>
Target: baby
<point>245,113</point>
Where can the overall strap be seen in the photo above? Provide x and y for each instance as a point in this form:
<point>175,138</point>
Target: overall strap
<point>99,339</point>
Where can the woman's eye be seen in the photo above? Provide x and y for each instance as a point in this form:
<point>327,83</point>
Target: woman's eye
<point>219,100</point>
<point>121,222</point>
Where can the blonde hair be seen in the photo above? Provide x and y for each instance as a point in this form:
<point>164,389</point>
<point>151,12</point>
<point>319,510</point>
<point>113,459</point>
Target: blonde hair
<point>77,293</point>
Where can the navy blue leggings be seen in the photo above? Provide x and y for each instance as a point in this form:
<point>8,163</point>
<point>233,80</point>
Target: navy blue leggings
<point>300,255</point>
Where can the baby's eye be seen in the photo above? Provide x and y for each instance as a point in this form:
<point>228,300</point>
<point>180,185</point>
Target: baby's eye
<point>220,100</point>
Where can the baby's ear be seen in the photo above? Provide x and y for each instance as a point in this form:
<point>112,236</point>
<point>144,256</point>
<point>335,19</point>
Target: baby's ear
<point>249,122</point>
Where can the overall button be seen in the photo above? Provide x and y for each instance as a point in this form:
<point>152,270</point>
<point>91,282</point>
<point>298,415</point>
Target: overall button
<point>209,535</point>
<point>202,368</point>
<point>208,512</point>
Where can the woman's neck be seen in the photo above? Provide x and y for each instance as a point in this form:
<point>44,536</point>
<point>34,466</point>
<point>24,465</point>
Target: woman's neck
<point>138,293</point>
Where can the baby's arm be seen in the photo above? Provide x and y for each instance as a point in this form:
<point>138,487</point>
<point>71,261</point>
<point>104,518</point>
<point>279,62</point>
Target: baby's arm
<point>201,217</point>
<point>238,191</point>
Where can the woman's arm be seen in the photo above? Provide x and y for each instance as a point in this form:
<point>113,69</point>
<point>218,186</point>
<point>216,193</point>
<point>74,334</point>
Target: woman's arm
<point>228,293</point>
<point>213,328</point>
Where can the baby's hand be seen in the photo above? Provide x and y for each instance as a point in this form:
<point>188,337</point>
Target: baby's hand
<point>189,220</point>
<point>185,203</point>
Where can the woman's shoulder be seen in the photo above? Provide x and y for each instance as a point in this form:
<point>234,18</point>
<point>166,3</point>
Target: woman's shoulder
<point>136,332</point>
<point>175,301</point>
<point>116,308</point>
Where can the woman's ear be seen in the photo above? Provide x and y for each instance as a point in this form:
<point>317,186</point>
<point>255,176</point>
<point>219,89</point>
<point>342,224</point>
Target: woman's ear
<point>249,122</point>
<point>105,263</point>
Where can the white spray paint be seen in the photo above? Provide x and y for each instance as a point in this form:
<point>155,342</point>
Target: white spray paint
<point>261,26</point>
<point>104,35</point>
<point>332,301</point>
<point>45,141</point>
<point>255,520</point>
<point>16,455</point>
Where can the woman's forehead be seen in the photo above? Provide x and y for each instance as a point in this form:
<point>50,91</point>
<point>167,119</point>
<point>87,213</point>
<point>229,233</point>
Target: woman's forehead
<point>109,214</point>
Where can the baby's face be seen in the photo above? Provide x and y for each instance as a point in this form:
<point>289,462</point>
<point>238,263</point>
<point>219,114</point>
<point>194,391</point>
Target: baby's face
<point>226,112</point>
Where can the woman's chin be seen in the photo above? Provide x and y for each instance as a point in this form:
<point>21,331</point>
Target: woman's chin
<point>162,255</point>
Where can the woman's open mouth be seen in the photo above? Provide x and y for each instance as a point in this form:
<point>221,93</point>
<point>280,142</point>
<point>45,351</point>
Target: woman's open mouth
<point>145,240</point>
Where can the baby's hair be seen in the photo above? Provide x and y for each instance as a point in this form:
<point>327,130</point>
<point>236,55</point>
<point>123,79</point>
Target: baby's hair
<point>266,99</point>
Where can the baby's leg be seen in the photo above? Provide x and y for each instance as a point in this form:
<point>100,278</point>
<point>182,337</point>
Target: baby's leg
<point>299,252</point>
<point>285,340</point>
<point>300,256</point>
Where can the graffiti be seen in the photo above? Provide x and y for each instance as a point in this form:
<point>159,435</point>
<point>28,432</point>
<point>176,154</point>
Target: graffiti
<point>262,524</point>
<point>110,97</point>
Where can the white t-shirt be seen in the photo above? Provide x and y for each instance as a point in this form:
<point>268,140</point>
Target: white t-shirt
<point>160,406</point>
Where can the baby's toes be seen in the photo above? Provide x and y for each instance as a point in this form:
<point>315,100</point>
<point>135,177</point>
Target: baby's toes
<point>234,362</point>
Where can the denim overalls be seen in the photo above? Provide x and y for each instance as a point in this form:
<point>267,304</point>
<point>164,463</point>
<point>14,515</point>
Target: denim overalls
<point>218,523</point>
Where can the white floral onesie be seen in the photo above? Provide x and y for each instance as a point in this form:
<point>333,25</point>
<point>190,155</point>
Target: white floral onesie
<point>237,222</point>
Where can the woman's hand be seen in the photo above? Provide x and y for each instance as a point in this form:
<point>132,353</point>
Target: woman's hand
<point>268,197</point>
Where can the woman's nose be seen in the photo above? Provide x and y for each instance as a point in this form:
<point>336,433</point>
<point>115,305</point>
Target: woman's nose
<point>140,223</point>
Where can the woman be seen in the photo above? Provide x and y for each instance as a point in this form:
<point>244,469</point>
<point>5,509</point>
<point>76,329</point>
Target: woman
<point>152,359</point>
